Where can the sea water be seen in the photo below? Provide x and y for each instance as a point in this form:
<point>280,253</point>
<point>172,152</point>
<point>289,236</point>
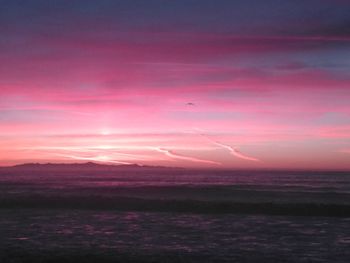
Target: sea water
<point>54,216</point>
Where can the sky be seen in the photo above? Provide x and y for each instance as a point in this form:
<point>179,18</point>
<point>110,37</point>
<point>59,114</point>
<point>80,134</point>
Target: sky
<point>245,84</point>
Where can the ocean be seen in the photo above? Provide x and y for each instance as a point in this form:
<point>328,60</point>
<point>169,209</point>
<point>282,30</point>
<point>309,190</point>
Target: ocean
<point>173,215</point>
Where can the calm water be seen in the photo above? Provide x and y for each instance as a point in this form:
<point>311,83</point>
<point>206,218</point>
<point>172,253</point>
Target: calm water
<point>63,216</point>
<point>270,180</point>
<point>174,237</point>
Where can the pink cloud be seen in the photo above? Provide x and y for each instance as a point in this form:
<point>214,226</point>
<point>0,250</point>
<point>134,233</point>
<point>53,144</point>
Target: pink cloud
<point>173,155</point>
<point>66,90</point>
<point>344,151</point>
<point>232,150</point>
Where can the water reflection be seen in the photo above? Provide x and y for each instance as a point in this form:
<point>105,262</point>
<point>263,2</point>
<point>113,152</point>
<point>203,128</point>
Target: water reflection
<point>221,236</point>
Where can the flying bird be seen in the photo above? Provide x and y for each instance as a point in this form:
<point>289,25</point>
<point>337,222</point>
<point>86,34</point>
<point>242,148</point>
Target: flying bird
<point>190,104</point>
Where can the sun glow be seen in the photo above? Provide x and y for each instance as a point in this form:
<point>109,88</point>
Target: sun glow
<point>105,132</point>
<point>105,147</point>
<point>98,158</point>
<point>224,93</point>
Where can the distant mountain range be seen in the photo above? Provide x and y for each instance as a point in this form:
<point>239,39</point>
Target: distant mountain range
<point>83,166</point>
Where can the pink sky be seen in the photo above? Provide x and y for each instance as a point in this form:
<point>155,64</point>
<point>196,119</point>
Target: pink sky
<point>78,87</point>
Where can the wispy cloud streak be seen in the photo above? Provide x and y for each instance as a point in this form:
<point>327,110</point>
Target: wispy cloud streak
<point>231,149</point>
<point>174,155</point>
<point>105,154</point>
<point>102,159</point>
<point>237,153</point>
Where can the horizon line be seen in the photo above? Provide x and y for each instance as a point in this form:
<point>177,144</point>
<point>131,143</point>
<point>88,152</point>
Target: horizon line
<point>178,167</point>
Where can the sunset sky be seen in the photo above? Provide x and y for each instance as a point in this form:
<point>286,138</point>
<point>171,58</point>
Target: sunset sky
<point>193,83</point>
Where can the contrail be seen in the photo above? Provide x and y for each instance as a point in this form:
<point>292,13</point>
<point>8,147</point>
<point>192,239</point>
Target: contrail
<point>237,153</point>
<point>232,150</point>
<point>92,150</point>
<point>174,155</point>
<point>96,159</point>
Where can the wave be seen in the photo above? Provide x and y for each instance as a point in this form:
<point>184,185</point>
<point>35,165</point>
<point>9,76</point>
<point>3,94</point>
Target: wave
<point>188,206</point>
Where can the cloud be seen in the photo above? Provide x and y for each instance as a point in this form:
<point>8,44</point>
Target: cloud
<point>256,71</point>
<point>98,158</point>
<point>344,151</point>
<point>232,150</point>
<point>237,153</point>
<point>174,155</point>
